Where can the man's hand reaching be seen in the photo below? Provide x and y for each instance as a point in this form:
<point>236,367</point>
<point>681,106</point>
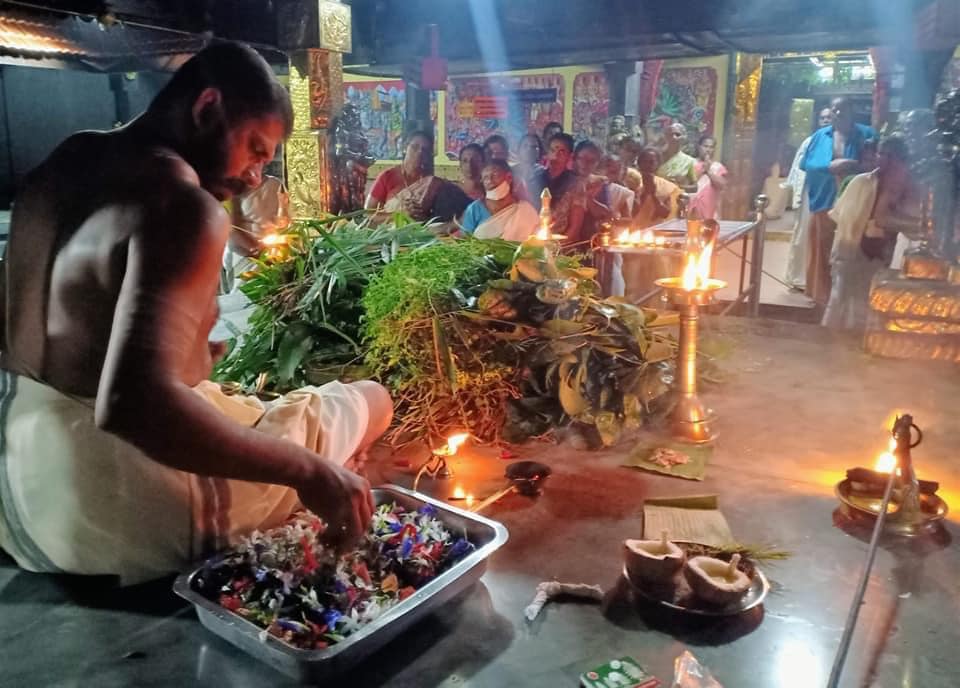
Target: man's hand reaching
<point>342,499</point>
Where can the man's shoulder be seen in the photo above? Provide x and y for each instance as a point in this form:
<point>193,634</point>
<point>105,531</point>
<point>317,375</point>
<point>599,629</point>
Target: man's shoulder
<point>180,212</point>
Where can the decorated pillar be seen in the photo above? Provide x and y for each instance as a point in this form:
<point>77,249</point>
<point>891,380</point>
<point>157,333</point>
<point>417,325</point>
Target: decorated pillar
<point>738,196</point>
<point>315,35</point>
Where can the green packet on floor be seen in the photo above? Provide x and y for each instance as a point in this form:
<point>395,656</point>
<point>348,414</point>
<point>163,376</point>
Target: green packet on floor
<point>619,673</point>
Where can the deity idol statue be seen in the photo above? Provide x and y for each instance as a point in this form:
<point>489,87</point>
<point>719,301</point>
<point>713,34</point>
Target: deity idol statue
<point>351,160</point>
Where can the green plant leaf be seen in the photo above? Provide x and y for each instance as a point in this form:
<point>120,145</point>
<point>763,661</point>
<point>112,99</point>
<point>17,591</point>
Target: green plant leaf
<point>293,349</point>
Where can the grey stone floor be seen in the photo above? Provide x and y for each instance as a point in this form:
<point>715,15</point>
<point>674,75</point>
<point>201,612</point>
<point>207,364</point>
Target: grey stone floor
<point>797,407</point>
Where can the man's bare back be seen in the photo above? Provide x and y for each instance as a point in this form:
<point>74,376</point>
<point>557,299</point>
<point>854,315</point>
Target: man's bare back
<point>112,270</point>
<point>68,252</point>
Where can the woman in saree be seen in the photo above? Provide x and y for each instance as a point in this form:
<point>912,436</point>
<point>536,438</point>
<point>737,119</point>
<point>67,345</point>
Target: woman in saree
<point>410,187</point>
<point>711,180</point>
<point>677,167</point>
<point>471,165</point>
<point>499,214</point>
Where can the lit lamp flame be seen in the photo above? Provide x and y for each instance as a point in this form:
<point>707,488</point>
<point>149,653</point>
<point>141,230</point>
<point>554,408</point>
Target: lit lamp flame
<point>458,493</point>
<point>696,273</point>
<point>273,244</point>
<point>273,239</point>
<point>543,234</point>
<point>639,237</point>
<point>454,442</point>
<point>886,461</point>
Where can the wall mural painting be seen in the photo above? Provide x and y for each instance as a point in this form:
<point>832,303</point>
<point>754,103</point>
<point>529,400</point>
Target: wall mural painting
<point>687,95</point>
<point>382,106</point>
<point>591,106</point>
<point>509,105</point>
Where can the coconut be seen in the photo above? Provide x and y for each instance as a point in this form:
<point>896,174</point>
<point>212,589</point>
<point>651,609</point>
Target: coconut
<point>652,561</point>
<point>717,581</point>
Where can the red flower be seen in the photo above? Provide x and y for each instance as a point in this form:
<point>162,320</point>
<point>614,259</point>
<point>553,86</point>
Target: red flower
<point>360,568</point>
<point>231,602</point>
<point>310,561</point>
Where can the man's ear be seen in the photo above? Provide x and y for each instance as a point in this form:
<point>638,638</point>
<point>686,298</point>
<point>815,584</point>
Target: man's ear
<point>207,108</point>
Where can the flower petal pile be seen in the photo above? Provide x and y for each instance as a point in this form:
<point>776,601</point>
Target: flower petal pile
<point>289,583</point>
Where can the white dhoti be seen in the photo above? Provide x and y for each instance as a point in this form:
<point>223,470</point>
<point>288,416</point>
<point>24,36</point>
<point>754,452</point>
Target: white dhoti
<point>796,274</point>
<point>76,499</point>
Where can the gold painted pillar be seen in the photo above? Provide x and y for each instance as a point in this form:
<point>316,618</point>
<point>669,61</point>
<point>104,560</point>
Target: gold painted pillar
<point>316,92</point>
<point>738,199</point>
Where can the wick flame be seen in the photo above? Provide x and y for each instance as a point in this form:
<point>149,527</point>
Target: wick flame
<point>696,273</point>
<point>543,234</point>
<point>458,492</point>
<point>273,239</point>
<point>639,237</point>
<point>689,279</point>
<point>886,461</point>
<point>454,442</point>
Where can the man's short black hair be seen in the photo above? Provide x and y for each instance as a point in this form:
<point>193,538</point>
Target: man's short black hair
<point>246,83</point>
<point>561,136</point>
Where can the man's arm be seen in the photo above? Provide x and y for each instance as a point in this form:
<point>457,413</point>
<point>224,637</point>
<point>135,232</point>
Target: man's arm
<point>806,163</point>
<point>162,312</point>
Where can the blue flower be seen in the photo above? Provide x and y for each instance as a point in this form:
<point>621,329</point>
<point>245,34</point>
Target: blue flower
<point>331,617</point>
<point>460,548</point>
<point>407,548</point>
<point>427,510</point>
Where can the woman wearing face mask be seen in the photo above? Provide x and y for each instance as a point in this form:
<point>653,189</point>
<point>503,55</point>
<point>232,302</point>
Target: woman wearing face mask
<point>499,214</point>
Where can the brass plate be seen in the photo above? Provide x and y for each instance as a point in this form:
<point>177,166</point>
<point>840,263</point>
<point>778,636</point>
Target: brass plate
<point>933,508</point>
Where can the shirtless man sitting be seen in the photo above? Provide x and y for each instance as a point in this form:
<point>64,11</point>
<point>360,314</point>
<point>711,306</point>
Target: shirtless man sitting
<point>111,279</point>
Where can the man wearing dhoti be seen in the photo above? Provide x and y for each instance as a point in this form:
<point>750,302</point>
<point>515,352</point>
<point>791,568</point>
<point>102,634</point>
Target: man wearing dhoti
<point>116,457</point>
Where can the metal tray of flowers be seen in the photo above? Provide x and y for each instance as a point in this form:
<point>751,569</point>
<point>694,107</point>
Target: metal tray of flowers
<point>314,665</point>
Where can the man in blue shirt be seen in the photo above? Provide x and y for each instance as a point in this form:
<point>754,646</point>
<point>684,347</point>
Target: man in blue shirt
<point>833,153</point>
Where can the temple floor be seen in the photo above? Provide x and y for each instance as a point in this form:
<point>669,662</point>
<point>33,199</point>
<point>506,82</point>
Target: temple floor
<point>798,406</point>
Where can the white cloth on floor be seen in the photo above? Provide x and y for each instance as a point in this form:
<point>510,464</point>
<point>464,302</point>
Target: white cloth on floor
<point>76,499</point>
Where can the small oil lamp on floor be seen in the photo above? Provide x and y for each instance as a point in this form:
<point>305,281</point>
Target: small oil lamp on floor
<point>891,494</point>
<point>695,288</point>
<point>436,466</point>
<point>898,504</point>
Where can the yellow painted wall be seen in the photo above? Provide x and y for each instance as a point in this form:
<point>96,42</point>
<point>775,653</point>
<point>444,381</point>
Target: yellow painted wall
<point>449,169</point>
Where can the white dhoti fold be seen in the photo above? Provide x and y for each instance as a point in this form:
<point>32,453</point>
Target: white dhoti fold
<point>76,499</point>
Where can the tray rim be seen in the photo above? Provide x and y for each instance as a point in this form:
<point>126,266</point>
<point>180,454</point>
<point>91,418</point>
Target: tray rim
<point>843,489</point>
<point>478,557</point>
<point>704,611</point>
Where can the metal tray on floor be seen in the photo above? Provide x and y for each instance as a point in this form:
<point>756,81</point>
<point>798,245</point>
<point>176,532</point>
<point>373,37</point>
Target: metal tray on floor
<point>317,665</point>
